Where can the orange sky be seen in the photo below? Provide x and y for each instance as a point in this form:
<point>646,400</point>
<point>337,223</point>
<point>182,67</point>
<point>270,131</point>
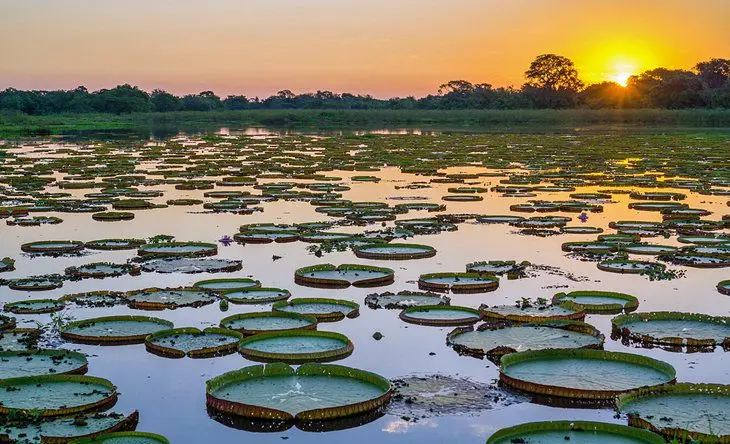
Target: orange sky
<point>379,47</point>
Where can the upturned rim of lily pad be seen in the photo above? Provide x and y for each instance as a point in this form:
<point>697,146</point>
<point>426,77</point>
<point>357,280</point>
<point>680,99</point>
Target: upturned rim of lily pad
<point>204,352</point>
<point>623,401</point>
<point>309,369</point>
<point>544,388</point>
<point>510,434</point>
<point>104,403</point>
<point>112,340</point>
<point>311,321</point>
<point>296,358</point>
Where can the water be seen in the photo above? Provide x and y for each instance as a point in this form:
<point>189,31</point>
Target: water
<point>170,394</point>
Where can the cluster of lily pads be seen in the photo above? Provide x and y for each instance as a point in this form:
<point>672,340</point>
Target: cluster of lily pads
<point>544,348</point>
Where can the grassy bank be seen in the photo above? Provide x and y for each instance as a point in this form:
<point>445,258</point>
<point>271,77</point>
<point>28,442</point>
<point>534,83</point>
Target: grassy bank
<point>475,120</point>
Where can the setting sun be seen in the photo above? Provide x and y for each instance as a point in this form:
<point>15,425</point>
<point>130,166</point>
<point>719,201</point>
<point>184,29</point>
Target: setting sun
<point>622,77</point>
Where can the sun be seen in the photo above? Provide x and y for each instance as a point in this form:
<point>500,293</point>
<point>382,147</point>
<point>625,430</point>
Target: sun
<point>622,77</point>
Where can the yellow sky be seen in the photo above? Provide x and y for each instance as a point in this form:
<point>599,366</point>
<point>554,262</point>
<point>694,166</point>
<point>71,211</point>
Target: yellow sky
<point>384,48</point>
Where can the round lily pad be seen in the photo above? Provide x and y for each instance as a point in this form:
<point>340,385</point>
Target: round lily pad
<point>114,244</point>
<point>178,249</point>
<point>724,287</point>
<point>256,295</point>
<point>192,342</point>
<point>533,313</point>
<point>499,219</point>
<point>16,364</point>
<point>458,282</point>
<point>226,285</point>
<point>265,237</point>
<point>36,283</point>
<point>162,298</point>
<point>573,431</point>
<point>112,216</point>
<point>100,270</point>
<point>311,392</point>
<point>598,302</point>
<point>648,249</point>
<point>673,329</point>
<point>53,247</point>
<point>582,374</point>
<point>192,265</point>
<point>56,395</point>
<point>63,429</point>
<point>323,309</point>
<point>114,329</point>
<point>268,322</point>
<point>124,438</point>
<point>34,306</point>
<point>296,346</point>
<point>497,340</point>
<point>394,251</point>
<point>328,275</point>
<point>680,411</point>
<point>96,298</point>
<point>405,299</point>
<point>441,315</point>
<point>629,267</point>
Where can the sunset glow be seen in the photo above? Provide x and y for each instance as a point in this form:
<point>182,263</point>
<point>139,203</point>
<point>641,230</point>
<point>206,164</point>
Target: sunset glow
<point>380,47</point>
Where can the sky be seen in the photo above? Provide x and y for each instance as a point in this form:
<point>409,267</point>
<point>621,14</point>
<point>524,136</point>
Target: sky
<point>384,48</point>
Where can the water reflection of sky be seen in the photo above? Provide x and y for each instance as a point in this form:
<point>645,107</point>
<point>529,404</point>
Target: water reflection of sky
<point>170,394</point>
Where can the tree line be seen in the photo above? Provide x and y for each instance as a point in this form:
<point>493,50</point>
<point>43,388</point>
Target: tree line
<point>552,81</point>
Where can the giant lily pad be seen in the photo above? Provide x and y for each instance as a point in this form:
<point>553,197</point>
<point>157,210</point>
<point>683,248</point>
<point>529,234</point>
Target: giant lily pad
<point>296,346</point>
<point>192,265</point>
<point>162,298</point>
<point>178,249</point>
<point>325,310</point>
<point>268,322</point>
<point>582,374</point>
<point>226,285</point>
<point>394,251</point>
<point>673,329</point>
<point>534,313</point>
<point>61,430</point>
<point>100,270</point>
<point>124,438</point>
<point>597,302</point>
<point>724,287</point>
<point>56,395</point>
<point>16,364</point>
<point>53,247</point>
<point>256,295</point>
<point>496,340</point>
<point>405,299</point>
<point>114,329</point>
<point>573,431</point>
<point>34,306</point>
<point>697,411</point>
<point>311,392</point>
<point>458,282</point>
<point>36,283</point>
<point>495,267</point>
<point>19,339</point>
<point>114,244</point>
<point>328,275</point>
<point>631,267</point>
<point>192,342</point>
<point>440,315</point>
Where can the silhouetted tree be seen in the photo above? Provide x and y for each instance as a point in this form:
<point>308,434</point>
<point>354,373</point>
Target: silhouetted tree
<point>603,95</point>
<point>666,88</point>
<point>714,73</point>
<point>552,82</point>
<point>162,101</point>
<point>121,99</point>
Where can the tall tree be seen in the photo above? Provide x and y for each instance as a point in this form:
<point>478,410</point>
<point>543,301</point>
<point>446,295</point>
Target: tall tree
<point>552,81</point>
<point>714,73</point>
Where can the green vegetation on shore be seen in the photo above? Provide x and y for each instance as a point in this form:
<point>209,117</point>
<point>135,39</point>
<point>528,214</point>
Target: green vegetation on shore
<point>20,125</point>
